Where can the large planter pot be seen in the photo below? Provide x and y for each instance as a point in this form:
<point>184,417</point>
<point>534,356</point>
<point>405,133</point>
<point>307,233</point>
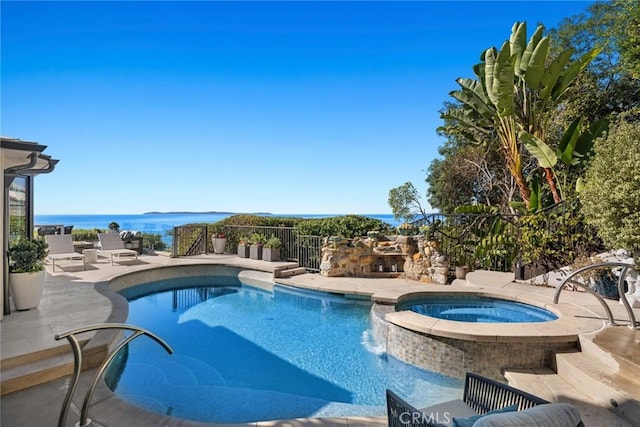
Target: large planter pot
<point>255,252</point>
<point>270,254</point>
<point>219,244</point>
<point>461,272</point>
<point>243,251</point>
<point>26,289</point>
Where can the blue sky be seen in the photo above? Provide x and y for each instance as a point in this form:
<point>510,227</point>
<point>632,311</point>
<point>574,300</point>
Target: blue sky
<point>290,107</point>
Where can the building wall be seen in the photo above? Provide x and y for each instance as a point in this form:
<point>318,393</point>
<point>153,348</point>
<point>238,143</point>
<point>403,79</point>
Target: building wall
<point>3,231</point>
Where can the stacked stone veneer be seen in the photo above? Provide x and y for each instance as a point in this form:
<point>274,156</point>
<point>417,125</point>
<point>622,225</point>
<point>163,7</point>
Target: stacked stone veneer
<point>412,257</point>
<point>454,357</point>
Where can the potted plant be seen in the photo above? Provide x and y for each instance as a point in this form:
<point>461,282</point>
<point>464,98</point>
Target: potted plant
<point>461,271</point>
<point>243,247</point>
<point>271,249</point>
<point>26,279</point>
<point>219,241</point>
<point>257,242</point>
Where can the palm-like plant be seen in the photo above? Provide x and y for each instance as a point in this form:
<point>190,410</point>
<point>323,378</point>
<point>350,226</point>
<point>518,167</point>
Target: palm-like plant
<point>516,90</point>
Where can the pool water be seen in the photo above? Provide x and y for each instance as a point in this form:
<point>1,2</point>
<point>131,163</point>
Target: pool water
<point>243,354</point>
<point>478,309</point>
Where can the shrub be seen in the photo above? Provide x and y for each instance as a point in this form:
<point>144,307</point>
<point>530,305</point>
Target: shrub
<point>611,197</point>
<point>28,255</point>
<point>153,241</point>
<point>557,237</point>
<point>349,226</point>
<point>83,235</point>
<point>255,220</point>
<point>273,243</point>
<point>257,239</point>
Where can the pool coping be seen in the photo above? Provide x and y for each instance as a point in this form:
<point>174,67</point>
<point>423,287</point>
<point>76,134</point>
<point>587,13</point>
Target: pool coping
<point>107,409</point>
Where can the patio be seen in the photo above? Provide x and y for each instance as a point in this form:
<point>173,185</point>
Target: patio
<point>72,299</point>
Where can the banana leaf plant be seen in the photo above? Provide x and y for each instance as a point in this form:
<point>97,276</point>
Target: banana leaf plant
<point>481,235</point>
<point>574,148</point>
<point>516,90</point>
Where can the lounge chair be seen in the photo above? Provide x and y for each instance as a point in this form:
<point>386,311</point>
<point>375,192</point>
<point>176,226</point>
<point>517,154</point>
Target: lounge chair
<point>485,403</point>
<point>112,246</point>
<point>61,247</point>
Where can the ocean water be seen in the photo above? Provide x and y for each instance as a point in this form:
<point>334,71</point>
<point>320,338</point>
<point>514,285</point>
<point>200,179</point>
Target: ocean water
<point>158,223</point>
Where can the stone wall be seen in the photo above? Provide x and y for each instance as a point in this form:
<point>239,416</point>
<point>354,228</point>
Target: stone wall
<point>454,357</point>
<point>411,257</point>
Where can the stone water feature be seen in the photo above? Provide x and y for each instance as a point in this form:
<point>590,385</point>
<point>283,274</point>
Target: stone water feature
<point>411,257</point>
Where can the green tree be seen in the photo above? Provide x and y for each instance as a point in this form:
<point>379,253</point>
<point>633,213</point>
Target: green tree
<point>467,173</point>
<point>629,36</point>
<point>611,197</point>
<point>114,226</point>
<point>405,202</point>
<point>611,83</point>
<point>517,89</point>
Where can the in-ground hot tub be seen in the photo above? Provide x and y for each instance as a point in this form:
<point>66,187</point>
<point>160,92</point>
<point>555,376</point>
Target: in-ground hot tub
<point>477,309</point>
<point>453,332</point>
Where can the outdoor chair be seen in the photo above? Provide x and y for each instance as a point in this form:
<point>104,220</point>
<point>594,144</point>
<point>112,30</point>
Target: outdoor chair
<point>47,230</point>
<point>61,248</point>
<point>485,403</point>
<point>112,246</point>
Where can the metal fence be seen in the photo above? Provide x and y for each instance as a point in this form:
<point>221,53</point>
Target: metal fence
<point>309,251</point>
<point>479,241</point>
<point>487,241</point>
<point>285,234</point>
<point>191,240</point>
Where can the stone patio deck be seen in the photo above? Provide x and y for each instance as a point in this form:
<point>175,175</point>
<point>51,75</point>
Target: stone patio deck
<point>72,300</point>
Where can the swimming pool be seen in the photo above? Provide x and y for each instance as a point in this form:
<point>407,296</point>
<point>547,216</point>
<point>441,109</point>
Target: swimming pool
<point>244,354</point>
<point>478,309</point>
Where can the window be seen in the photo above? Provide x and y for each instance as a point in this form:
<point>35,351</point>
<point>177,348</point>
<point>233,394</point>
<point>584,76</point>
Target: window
<point>18,208</point>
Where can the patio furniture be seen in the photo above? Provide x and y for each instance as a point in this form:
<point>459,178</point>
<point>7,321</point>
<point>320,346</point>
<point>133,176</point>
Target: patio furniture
<point>46,230</point>
<point>485,403</point>
<point>61,248</point>
<point>112,246</point>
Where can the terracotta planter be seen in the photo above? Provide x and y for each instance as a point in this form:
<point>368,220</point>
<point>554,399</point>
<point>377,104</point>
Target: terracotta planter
<point>26,289</point>
<point>219,244</point>
<point>461,272</point>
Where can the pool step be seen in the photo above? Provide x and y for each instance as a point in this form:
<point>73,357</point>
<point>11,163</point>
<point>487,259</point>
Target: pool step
<point>600,383</point>
<point>25,371</point>
<point>604,374</point>
<point>38,367</point>
<point>282,272</point>
<point>617,348</point>
<point>548,385</point>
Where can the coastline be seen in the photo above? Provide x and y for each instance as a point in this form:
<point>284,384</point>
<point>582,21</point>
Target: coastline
<point>160,223</point>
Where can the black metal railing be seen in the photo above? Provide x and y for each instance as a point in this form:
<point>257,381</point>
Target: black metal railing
<point>189,240</point>
<point>487,241</point>
<point>287,236</point>
<point>477,240</point>
<point>309,252</point>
